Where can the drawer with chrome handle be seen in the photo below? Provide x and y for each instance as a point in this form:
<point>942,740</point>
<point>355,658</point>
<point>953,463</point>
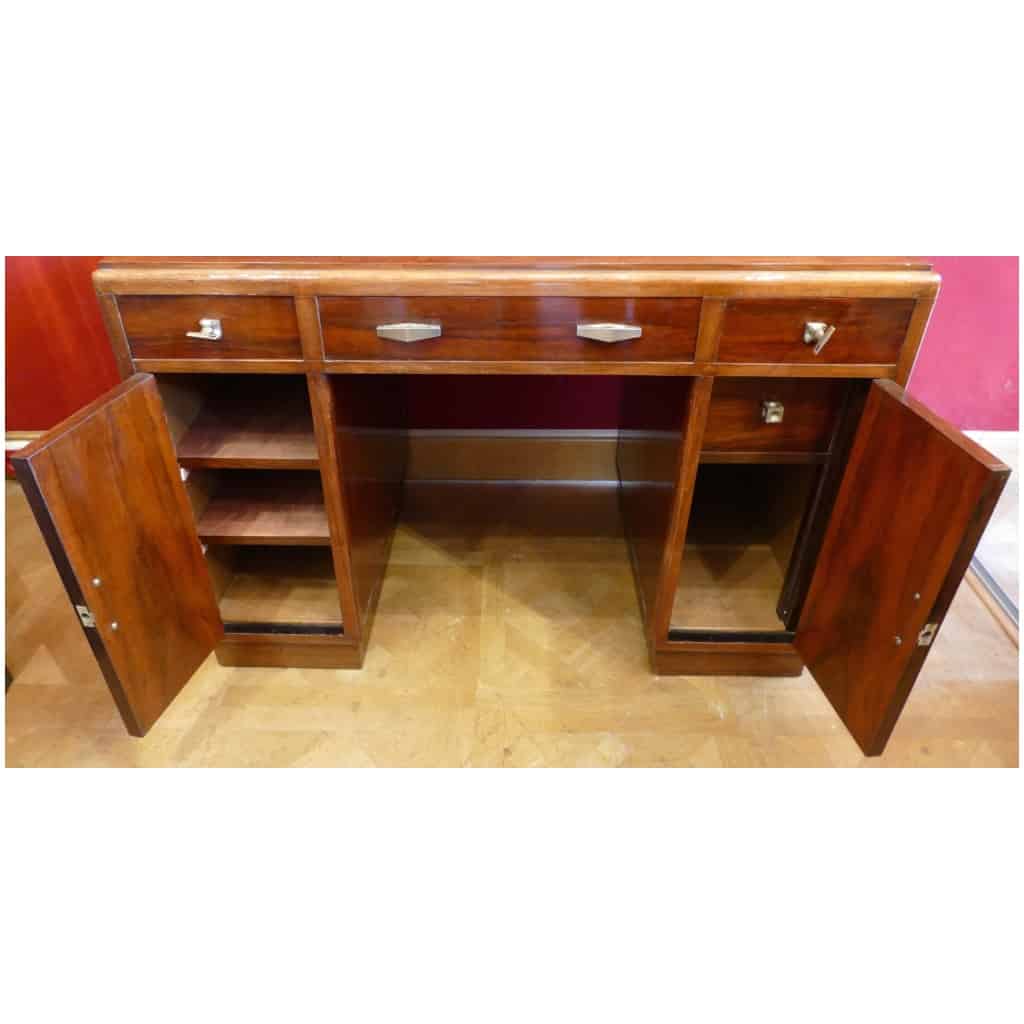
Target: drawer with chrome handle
<point>209,330</point>
<point>772,414</point>
<point>509,328</point>
<point>221,327</point>
<point>868,331</point>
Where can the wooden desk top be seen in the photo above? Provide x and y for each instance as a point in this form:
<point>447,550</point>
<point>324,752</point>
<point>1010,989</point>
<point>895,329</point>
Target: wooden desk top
<point>539,262</point>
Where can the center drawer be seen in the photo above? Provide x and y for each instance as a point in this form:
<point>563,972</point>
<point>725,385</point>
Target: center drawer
<point>509,328</point>
<point>772,415</point>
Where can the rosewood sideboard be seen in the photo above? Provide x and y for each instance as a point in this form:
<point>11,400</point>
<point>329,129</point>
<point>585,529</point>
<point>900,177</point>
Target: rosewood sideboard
<point>786,503</point>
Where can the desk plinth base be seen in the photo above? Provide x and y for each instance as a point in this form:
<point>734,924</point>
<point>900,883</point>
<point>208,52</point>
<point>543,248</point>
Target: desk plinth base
<point>283,651</point>
<point>727,659</point>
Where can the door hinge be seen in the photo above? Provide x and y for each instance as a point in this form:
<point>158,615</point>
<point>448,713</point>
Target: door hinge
<point>927,635</point>
<point>85,616</point>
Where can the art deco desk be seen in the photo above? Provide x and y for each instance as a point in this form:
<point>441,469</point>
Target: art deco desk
<point>786,503</point>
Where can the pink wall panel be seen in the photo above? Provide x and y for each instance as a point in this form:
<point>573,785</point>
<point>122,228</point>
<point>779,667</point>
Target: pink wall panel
<point>967,369</point>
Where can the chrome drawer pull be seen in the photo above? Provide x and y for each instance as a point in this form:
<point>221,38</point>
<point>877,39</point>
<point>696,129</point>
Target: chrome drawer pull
<point>772,412</point>
<point>408,332</point>
<point>818,335</point>
<point>608,333</point>
<point>209,330</point>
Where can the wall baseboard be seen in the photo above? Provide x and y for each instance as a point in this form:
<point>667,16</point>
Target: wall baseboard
<point>14,440</point>
<point>584,455</point>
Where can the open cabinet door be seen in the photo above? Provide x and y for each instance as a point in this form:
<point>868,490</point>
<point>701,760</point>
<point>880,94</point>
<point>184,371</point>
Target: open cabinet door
<point>105,489</point>
<point>915,498</point>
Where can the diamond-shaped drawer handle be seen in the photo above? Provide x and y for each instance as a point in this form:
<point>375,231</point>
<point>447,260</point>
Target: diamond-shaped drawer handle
<point>408,332</point>
<point>608,333</point>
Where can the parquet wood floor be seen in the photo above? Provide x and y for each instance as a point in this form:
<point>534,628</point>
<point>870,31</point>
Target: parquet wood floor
<point>509,639</point>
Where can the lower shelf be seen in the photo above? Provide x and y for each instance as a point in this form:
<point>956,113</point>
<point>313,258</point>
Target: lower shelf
<point>269,589</point>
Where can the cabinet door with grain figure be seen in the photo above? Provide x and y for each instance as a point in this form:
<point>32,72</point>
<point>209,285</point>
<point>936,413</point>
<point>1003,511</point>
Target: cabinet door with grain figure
<point>914,500</point>
<point>105,488</point>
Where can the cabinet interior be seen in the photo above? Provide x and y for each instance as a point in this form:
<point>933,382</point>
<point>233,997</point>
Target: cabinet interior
<point>248,453</point>
<point>743,528</point>
<point>240,421</point>
<point>247,444</point>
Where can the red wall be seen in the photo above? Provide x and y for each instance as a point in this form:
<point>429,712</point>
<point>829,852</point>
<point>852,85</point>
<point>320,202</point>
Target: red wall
<point>58,357</point>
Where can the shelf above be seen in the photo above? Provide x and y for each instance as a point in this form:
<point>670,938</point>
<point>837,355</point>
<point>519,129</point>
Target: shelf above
<point>765,458</point>
<point>251,435</point>
<point>282,509</point>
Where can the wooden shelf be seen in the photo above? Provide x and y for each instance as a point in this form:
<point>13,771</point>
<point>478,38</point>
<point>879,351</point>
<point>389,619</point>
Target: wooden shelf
<point>280,586</point>
<point>251,435</point>
<point>765,458</point>
<point>285,508</point>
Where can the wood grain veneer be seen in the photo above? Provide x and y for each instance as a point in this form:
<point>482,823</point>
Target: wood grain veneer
<point>370,444</point>
<point>771,330</point>
<point>282,651</point>
<point>512,328</point>
<point>914,499</point>
<point>491,277</point>
<point>106,492</point>
<point>658,414</point>
<point>727,659</point>
<point>253,327</point>
<point>589,262</point>
<point>735,421</point>
<point>620,368</point>
<point>325,426</point>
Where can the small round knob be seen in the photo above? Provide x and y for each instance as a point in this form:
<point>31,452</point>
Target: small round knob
<point>897,640</point>
<point>113,626</point>
<point>96,581</point>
